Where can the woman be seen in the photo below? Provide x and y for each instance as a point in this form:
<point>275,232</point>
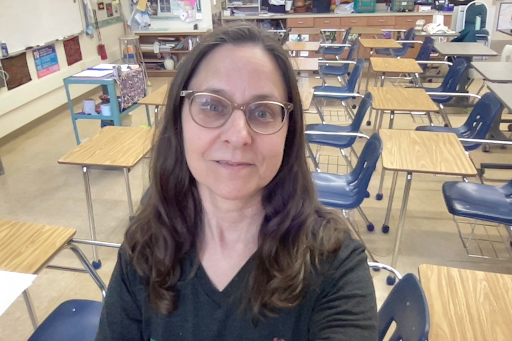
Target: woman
<point>232,243</point>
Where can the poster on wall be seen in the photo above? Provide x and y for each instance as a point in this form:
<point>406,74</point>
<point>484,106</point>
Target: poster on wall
<point>73,51</point>
<point>46,61</point>
<point>505,16</point>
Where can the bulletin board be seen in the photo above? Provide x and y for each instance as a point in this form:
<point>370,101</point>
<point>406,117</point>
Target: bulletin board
<point>28,23</point>
<point>505,16</point>
<point>108,12</point>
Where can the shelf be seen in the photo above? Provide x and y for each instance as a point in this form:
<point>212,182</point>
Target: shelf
<point>170,51</point>
<point>238,6</point>
<point>149,60</point>
<point>162,73</point>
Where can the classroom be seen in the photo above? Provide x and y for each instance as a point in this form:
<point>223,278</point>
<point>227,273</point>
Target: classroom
<point>404,126</point>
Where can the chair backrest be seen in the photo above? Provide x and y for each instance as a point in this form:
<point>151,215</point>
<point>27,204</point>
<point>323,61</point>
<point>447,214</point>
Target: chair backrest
<point>365,104</point>
<point>473,10</point>
<point>405,305</point>
<point>409,35</point>
<point>353,49</point>
<point>481,119</point>
<point>346,36</point>
<point>425,51</point>
<point>355,75</point>
<point>506,54</point>
<point>361,175</point>
<point>454,76</point>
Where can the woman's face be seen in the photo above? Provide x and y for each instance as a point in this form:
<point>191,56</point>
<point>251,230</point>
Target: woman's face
<point>233,162</point>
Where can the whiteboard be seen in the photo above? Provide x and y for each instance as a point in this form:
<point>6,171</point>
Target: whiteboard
<point>28,23</point>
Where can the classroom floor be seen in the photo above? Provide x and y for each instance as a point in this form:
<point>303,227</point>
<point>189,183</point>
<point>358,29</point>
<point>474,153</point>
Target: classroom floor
<point>38,190</point>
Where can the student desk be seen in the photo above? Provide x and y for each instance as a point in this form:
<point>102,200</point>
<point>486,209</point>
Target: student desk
<point>394,65</point>
<point>28,248</point>
<point>376,44</point>
<point>304,64</point>
<point>464,49</point>
<point>305,30</point>
<point>302,46</point>
<point>419,152</point>
<point>495,72</point>
<point>467,305</point>
<point>112,147</point>
<point>366,30</point>
<point>108,86</point>
<point>306,94</point>
<point>399,99</point>
<point>157,98</point>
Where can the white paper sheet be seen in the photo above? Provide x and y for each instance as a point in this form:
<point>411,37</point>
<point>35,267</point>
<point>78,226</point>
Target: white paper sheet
<point>94,73</point>
<point>12,285</point>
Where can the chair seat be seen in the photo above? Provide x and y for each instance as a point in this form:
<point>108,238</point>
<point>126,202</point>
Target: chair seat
<point>331,70</point>
<point>384,52</point>
<point>333,50</point>
<point>438,99</point>
<point>339,90</point>
<point>336,141</point>
<point>74,320</point>
<point>333,190</point>
<point>461,132</point>
<point>477,201</point>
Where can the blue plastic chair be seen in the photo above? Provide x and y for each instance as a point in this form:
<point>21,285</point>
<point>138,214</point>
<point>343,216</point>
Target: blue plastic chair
<point>337,50</point>
<point>338,141</point>
<point>409,36</point>
<point>478,123</point>
<point>449,85</point>
<point>347,192</point>
<point>73,320</point>
<point>479,201</point>
<point>339,93</point>
<point>407,306</point>
<point>425,51</point>
<point>339,71</point>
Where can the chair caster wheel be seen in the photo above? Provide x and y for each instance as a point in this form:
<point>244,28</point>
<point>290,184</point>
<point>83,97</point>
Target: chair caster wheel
<point>390,280</point>
<point>368,123</point>
<point>385,228</point>
<point>370,227</point>
<point>354,106</point>
<point>445,125</point>
<point>96,265</point>
<point>367,194</point>
<point>486,148</point>
<point>379,196</point>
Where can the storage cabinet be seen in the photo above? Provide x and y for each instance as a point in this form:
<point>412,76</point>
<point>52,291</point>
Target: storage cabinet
<point>381,21</point>
<point>347,22</point>
<point>301,22</point>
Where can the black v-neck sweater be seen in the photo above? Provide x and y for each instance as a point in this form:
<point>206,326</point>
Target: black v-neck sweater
<point>339,304</point>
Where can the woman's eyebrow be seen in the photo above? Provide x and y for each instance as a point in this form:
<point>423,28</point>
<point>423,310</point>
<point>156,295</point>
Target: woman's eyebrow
<point>255,98</point>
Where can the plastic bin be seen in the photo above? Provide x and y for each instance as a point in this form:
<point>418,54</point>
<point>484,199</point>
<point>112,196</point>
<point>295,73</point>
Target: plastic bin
<point>365,6</point>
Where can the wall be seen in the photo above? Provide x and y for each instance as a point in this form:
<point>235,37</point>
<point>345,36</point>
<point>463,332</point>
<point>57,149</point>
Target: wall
<point>40,96</point>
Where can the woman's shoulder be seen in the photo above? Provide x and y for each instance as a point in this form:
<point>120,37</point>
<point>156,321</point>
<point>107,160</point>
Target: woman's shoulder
<point>336,265</point>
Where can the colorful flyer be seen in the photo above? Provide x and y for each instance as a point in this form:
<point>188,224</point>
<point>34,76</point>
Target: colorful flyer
<point>46,61</point>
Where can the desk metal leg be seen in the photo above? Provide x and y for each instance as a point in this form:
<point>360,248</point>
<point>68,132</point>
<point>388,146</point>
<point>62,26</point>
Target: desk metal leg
<point>385,226</point>
<point>368,75</point>
<point>391,279</point>
<point>128,191</point>
<point>383,173</point>
<point>2,171</point>
<point>378,124</point>
<point>92,226</point>
<point>369,122</point>
<point>148,115</point>
<point>30,308</point>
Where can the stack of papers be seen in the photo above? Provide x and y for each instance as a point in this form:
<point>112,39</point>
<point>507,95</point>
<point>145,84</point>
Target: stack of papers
<point>12,285</point>
<point>94,73</point>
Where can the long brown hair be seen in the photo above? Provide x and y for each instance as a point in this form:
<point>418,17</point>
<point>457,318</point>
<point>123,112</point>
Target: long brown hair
<point>296,231</point>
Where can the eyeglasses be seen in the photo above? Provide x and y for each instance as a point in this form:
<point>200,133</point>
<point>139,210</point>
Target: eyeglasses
<point>213,111</point>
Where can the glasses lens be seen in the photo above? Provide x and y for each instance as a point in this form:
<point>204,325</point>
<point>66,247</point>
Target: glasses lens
<point>266,117</point>
<point>209,111</point>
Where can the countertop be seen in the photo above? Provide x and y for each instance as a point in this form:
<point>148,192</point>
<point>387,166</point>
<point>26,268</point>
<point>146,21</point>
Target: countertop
<point>331,15</point>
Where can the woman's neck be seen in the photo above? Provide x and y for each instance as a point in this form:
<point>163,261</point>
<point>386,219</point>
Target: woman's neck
<point>231,225</point>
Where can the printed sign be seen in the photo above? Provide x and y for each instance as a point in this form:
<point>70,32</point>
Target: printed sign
<point>46,61</point>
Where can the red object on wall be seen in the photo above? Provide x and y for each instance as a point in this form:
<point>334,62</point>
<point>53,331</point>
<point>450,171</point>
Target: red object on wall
<point>73,51</point>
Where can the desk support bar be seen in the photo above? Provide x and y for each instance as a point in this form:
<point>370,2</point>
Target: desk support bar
<point>309,132</point>
<point>96,243</point>
<point>128,191</point>
<point>30,308</point>
<point>90,212</point>
<point>88,267</point>
<point>381,266</point>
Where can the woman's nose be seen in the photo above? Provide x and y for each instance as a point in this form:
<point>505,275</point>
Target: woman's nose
<point>236,130</point>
